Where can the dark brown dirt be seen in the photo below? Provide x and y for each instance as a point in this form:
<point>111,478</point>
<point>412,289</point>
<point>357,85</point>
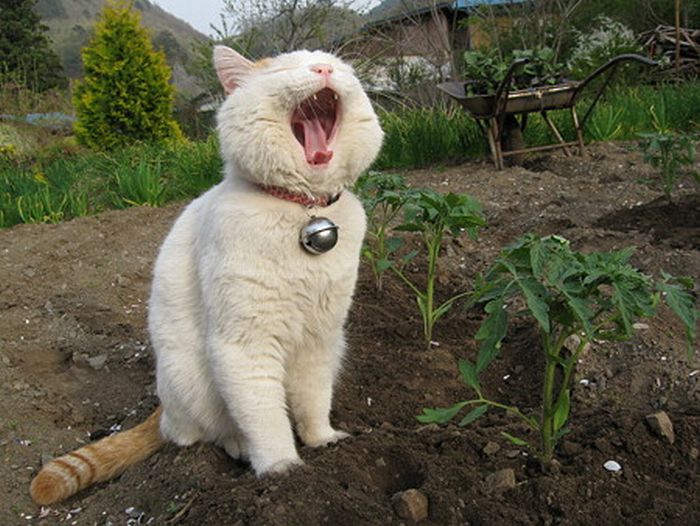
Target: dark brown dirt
<point>75,361</point>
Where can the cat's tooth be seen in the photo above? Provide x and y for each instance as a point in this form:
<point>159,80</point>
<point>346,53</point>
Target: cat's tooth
<point>315,97</point>
<point>335,96</point>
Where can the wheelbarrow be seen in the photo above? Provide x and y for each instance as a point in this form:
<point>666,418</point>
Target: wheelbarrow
<point>496,113</point>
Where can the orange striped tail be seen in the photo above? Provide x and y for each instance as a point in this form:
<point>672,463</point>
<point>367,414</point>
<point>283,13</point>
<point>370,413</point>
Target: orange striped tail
<point>103,460</point>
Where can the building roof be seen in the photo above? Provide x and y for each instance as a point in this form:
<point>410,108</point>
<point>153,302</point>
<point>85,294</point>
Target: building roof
<point>391,10</point>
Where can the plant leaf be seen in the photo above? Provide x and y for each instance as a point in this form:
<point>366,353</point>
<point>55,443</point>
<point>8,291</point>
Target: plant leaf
<point>515,440</point>
<point>472,415</point>
<point>469,374</point>
<point>534,293</point>
<point>492,331</point>
<point>440,415</point>
<point>561,410</point>
<point>679,298</point>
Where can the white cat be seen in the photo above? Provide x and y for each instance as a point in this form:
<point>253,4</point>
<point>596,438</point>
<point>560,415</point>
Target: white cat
<point>247,325</point>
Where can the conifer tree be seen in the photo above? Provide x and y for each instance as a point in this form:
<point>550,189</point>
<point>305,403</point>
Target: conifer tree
<point>125,96</point>
<point>26,55</point>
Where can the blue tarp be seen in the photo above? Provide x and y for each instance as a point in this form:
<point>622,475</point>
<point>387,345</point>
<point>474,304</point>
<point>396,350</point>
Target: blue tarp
<point>55,120</point>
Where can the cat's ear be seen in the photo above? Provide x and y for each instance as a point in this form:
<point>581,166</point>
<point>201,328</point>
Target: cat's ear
<point>231,67</point>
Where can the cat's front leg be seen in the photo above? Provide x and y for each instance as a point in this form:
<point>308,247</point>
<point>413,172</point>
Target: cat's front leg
<point>310,378</point>
<point>251,383</point>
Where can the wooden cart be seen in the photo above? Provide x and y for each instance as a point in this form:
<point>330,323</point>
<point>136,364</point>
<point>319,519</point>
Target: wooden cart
<point>496,113</point>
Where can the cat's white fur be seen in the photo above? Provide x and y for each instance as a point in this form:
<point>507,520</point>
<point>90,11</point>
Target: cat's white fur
<point>247,327</point>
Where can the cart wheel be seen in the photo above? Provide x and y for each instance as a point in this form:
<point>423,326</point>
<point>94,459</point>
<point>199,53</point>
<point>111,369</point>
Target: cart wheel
<point>512,139</point>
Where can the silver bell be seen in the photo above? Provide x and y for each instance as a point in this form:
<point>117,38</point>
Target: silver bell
<point>319,235</point>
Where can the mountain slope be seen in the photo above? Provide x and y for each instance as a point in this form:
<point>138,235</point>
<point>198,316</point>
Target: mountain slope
<point>70,25</point>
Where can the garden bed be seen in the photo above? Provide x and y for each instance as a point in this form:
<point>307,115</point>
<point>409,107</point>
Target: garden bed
<point>76,360</point>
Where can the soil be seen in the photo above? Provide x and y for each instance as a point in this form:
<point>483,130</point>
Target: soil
<point>76,363</point>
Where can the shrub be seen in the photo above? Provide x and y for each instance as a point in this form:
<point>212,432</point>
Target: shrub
<point>569,295</point>
<point>606,40</point>
<point>125,96</point>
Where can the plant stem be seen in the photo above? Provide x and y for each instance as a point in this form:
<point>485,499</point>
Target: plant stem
<point>530,422</point>
<point>432,242</point>
<point>547,428</point>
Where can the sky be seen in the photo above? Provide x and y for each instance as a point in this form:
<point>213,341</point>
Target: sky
<point>201,13</point>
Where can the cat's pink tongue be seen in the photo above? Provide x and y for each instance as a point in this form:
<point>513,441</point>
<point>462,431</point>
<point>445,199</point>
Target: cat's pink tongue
<point>315,142</point>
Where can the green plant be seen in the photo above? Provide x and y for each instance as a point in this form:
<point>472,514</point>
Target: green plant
<point>28,56</point>
<point>434,215</point>
<point>606,123</point>
<point>139,185</point>
<point>125,96</point>
<point>383,197</point>
<point>487,70</point>
<point>604,41</point>
<point>668,150</point>
<point>570,295</point>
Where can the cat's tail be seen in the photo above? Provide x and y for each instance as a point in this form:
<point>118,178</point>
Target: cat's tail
<point>103,460</point>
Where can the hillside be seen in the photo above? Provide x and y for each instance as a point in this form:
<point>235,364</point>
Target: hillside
<point>70,24</point>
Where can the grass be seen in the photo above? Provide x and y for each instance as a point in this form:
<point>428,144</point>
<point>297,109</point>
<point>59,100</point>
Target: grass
<point>422,137</point>
<point>63,181</point>
<point>48,191</point>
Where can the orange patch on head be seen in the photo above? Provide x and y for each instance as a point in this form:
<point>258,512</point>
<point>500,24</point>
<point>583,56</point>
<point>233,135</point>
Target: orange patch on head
<point>262,63</point>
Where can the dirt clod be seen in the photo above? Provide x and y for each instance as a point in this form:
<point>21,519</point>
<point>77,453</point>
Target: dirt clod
<point>491,448</point>
<point>661,424</point>
<point>500,481</point>
<point>410,504</point>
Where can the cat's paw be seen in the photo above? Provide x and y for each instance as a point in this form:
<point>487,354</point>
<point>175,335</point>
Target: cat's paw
<point>325,439</point>
<point>236,449</point>
<point>280,467</point>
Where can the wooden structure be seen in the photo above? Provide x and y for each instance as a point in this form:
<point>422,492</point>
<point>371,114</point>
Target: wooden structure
<point>494,112</point>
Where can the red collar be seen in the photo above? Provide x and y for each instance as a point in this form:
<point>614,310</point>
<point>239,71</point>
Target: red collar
<point>302,199</point>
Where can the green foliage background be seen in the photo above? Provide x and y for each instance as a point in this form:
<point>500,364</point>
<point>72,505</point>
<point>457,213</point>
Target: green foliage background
<point>125,96</point>
<point>26,54</point>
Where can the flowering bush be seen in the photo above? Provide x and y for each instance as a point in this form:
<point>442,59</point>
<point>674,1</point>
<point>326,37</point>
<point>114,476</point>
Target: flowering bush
<point>606,40</point>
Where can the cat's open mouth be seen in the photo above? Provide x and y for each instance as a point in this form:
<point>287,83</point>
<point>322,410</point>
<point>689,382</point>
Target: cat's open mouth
<point>314,124</point>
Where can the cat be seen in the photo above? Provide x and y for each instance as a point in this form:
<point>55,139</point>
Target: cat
<point>246,325</point>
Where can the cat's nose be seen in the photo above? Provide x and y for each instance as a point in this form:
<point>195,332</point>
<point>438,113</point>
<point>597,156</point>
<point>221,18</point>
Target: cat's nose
<point>322,69</point>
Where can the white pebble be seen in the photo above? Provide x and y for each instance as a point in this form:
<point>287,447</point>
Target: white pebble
<point>613,466</point>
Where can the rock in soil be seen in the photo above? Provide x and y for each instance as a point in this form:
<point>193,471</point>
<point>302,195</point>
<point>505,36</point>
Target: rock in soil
<point>410,504</point>
<point>491,448</point>
<point>661,424</point>
<point>501,480</point>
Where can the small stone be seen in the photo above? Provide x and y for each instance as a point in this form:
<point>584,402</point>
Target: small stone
<point>380,462</point>
<point>612,466</point>
<point>410,504</point>
<point>660,423</point>
<point>491,448</point>
<point>512,453</point>
<point>640,326</point>
<point>573,342</point>
<point>97,362</point>
<point>501,480</point>
<point>694,453</point>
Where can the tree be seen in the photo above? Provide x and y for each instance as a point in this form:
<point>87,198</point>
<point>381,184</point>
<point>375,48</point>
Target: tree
<point>26,56</point>
<point>279,26</point>
<point>125,96</point>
